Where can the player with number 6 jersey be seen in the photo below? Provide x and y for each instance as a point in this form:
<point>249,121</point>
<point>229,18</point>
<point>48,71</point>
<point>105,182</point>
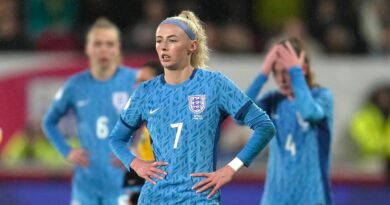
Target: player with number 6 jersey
<point>302,111</point>
<point>96,97</point>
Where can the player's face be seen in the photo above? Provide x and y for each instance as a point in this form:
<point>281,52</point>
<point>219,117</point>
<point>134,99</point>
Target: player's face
<point>282,79</point>
<point>103,48</point>
<point>173,47</point>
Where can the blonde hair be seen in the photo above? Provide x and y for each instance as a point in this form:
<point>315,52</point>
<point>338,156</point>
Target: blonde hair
<point>200,56</point>
<point>103,22</point>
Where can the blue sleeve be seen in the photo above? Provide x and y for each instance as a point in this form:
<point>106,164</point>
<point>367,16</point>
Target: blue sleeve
<point>242,108</point>
<point>59,107</point>
<point>118,141</point>
<point>132,113</point>
<point>264,130</point>
<point>231,98</point>
<point>130,120</point>
<point>256,86</point>
<point>311,108</point>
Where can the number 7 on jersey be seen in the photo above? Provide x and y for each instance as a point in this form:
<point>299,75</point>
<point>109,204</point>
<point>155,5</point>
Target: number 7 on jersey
<point>179,126</point>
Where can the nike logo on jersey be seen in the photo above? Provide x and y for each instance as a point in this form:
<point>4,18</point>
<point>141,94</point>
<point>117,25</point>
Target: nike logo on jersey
<point>153,111</point>
<point>82,103</point>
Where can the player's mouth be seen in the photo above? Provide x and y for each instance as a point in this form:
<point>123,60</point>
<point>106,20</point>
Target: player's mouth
<point>103,60</point>
<point>285,87</point>
<point>165,57</point>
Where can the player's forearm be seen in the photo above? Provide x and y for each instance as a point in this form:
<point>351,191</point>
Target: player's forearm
<point>264,130</point>
<point>118,140</point>
<point>307,106</point>
<point>256,86</point>
<point>49,126</point>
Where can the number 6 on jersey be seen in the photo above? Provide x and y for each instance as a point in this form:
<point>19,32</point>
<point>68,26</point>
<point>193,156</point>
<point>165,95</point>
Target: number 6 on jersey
<point>178,132</point>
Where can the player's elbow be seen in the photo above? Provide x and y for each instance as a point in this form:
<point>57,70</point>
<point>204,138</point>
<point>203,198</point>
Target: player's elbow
<point>112,142</point>
<point>47,123</point>
<point>269,129</point>
<point>266,128</point>
<point>312,116</point>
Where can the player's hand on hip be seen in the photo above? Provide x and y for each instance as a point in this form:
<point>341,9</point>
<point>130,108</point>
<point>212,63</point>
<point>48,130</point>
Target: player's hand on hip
<point>148,169</point>
<point>78,156</point>
<point>287,56</point>
<point>214,180</point>
<point>269,60</point>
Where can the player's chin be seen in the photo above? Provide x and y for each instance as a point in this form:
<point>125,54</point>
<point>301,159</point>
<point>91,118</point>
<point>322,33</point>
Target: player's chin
<point>104,65</point>
<point>170,66</point>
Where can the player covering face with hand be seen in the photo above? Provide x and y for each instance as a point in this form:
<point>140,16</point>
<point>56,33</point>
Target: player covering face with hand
<point>302,111</point>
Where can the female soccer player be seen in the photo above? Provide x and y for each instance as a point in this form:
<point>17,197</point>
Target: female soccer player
<point>302,111</point>
<point>183,110</point>
<point>97,96</point>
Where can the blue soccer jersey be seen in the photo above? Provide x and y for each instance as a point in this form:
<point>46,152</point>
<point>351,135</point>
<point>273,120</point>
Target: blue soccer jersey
<point>184,123</point>
<point>97,106</point>
<point>299,158</point>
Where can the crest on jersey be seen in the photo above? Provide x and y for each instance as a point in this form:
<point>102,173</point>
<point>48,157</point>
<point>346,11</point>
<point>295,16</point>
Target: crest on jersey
<point>197,103</point>
<point>119,100</point>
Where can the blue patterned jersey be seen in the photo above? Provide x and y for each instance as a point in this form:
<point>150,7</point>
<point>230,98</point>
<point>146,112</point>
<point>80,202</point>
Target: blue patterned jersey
<point>299,158</point>
<point>97,106</point>
<point>184,122</point>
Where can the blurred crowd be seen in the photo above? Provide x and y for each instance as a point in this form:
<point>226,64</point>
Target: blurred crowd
<point>327,26</point>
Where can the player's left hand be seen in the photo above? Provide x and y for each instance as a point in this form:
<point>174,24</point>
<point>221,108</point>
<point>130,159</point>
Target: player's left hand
<point>288,58</point>
<point>213,180</point>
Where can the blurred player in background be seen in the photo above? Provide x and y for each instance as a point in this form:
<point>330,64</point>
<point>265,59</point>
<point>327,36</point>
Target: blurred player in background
<point>302,111</point>
<point>183,110</point>
<point>97,97</point>
<point>143,149</point>
<point>370,127</point>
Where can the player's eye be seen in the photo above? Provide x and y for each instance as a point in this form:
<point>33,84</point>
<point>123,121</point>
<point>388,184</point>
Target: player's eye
<point>97,43</point>
<point>110,44</point>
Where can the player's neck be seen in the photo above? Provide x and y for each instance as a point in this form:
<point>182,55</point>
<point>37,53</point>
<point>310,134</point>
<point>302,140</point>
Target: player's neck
<point>178,76</point>
<point>103,74</point>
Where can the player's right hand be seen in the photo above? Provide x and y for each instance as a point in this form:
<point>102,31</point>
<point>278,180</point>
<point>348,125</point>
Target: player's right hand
<point>269,60</point>
<point>78,156</point>
<point>288,57</point>
<point>148,169</point>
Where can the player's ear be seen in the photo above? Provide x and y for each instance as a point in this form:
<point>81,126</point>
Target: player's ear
<point>193,46</point>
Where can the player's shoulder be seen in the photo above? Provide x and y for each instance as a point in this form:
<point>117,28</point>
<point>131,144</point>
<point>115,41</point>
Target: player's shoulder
<point>79,77</point>
<point>211,76</point>
<point>205,72</point>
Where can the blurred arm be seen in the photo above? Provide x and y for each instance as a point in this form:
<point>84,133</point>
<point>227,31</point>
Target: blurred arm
<point>256,86</point>
<point>118,141</point>
<point>309,108</point>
